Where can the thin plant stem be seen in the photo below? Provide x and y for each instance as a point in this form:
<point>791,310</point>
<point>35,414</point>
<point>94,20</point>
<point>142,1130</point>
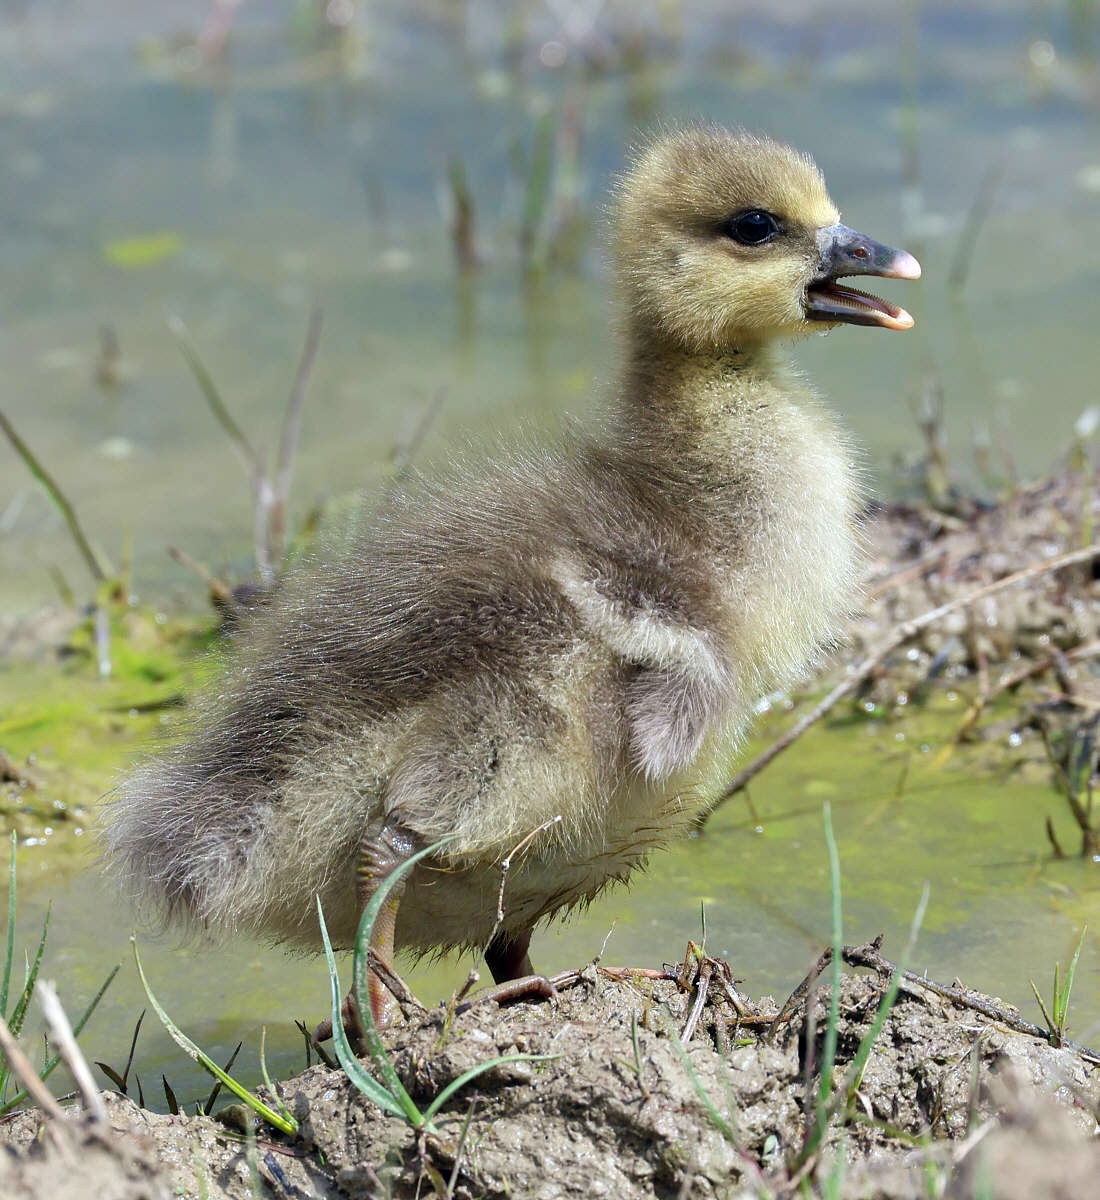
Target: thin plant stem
<point>26,1074</point>
<point>837,926</point>
<point>463,219</point>
<point>9,952</point>
<point>265,1075</point>
<point>406,457</point>
<point>244,448</point>
<point>100,570</point>
<point>263,494</point>
<point>976,217</point>
<point>288,438</point>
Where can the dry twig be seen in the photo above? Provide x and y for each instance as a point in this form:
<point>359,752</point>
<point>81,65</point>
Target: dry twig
<point>398,988</point>
<point>220,593</point>
<point>506,866</point>
<point>61,1034</point>
<point>269,498</point>
<point>868,955</point>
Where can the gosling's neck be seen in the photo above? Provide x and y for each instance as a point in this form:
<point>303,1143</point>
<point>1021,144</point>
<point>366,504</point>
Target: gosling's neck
<point>692,402</point>
<point>762,479</point>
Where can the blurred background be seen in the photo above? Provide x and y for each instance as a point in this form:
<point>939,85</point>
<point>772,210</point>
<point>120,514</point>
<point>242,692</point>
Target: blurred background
<point>433,175</point>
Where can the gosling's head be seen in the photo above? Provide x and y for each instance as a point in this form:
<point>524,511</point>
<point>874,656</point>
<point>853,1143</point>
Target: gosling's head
<point>724,239</point>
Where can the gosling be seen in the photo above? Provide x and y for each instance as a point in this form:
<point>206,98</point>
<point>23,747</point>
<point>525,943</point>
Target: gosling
<point>571,641</point>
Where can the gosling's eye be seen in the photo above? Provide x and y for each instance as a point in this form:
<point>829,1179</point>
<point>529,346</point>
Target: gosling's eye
<point>752,228</point>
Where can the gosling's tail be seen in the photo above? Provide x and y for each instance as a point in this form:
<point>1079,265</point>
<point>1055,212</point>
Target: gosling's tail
<point>183,845</point>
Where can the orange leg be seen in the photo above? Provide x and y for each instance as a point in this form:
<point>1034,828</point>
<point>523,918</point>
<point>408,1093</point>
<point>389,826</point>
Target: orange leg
<point>383,849</point>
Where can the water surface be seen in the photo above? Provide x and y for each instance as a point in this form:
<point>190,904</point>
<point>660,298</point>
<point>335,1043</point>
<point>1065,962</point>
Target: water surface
<point>303,168</point>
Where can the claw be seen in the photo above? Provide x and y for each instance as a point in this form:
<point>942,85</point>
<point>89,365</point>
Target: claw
<point>353,1027</point>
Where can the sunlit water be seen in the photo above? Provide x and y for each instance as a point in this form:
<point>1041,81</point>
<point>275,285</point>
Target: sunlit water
<point>303,171</point>
<point>999,912</point>
<point>283,178</point>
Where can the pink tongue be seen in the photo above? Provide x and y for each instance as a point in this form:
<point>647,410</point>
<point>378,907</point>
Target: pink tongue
<point>844,299</point>
<point>855,299</point>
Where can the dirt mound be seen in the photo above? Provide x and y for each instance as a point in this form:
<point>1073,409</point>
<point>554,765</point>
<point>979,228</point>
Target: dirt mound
<point>74,1160</point>
<point>617,1108</point>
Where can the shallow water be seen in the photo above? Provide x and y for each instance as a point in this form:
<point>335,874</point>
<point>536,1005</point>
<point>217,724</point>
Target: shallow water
<point>303,169</point>
<point>138,186</point>
<point>999,912</point>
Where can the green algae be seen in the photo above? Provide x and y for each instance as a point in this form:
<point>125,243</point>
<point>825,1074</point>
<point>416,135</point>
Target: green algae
<point>67,731</point>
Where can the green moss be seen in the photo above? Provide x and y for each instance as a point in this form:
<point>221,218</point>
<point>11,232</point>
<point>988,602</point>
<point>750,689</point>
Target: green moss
<point>67,731</point>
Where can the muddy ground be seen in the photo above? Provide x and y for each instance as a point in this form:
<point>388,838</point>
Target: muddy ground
<point>950,1100</point>
<point>959,1097</point>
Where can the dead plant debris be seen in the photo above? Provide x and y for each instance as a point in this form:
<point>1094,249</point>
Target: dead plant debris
<point>957,1086</point>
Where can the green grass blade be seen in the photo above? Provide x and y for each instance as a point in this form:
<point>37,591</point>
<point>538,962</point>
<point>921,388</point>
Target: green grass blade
<point>100,569</point>
<point>19,1013</point>
<point>473,1073</point>
<point>537,198</point>
<point>267,1078</point>
<point>11,1105</point>
<point>353,1068</point>
<point>855,1071</point>
<point>204,1060</point>
<point>9,953</point>
<point>1062,1000</point>
<point>78,1025</point>
<point>361,974</point>
<point>834,1185</point>
<point>828,1054</point>
<point>93,1004</point>
<point>9,958</point>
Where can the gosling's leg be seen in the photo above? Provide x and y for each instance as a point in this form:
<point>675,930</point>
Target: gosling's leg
<point>507,958</point>
<point>382,850</point>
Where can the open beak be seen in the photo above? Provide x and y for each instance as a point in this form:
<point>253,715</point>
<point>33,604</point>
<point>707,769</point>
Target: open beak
<point>846,252</point>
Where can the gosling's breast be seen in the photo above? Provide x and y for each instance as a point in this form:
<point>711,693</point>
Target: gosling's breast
<point>795,555</point>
